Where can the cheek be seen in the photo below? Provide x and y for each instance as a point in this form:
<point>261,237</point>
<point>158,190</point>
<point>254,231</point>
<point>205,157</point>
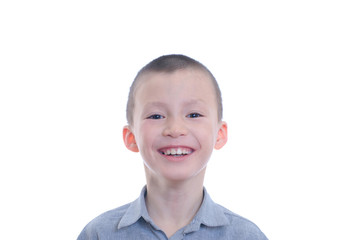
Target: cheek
<point>207,136</point>
<point>147,134</point>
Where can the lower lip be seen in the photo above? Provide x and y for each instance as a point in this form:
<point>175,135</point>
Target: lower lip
<point>176,159</point>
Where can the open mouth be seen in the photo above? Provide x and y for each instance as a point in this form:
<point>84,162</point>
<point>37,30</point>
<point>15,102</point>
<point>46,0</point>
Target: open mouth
<point>176,152</point>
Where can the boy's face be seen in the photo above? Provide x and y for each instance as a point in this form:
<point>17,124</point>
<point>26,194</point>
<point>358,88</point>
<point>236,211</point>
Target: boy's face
<point>175,124</point>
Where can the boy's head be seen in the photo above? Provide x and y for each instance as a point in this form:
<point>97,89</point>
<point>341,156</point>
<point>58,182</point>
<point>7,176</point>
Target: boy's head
<point>170,64</point>
<point>174,113</point>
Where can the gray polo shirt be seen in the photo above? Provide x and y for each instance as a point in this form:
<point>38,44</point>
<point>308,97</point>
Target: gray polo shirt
<point>132,222</point>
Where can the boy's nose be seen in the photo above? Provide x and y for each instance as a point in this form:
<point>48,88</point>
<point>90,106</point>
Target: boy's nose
<point>175,128</point>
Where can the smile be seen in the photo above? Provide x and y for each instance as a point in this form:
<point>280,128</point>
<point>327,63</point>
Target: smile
<point>176,151</point>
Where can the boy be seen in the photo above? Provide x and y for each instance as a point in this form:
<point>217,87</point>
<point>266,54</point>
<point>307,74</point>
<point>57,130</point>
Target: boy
<point>174,113</point>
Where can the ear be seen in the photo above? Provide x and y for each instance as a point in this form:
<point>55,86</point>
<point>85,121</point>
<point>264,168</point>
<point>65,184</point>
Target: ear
<point>221,136</point>
<point>129,139</point>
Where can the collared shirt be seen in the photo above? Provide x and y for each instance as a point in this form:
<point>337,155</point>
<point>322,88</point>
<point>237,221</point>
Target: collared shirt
<point>132,222</point>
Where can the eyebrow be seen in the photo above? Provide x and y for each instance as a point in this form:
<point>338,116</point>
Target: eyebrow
<point>186,103</point>
<point>155,104</point>
<point>195,101</point>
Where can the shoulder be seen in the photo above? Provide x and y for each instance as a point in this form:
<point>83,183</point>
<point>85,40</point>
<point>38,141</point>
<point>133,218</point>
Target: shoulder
<point>223,222</point>
<point>240,226</point>
<point>105,222</point>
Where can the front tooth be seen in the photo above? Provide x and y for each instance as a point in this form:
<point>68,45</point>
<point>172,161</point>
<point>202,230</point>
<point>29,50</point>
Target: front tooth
<point>173,151</point>
<point>179,151</point>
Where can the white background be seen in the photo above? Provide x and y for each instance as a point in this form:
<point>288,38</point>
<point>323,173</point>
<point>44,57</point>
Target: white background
<point>290,76</point>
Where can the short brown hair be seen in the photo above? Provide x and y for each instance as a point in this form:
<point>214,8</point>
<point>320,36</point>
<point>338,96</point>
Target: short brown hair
<point>169,64</point>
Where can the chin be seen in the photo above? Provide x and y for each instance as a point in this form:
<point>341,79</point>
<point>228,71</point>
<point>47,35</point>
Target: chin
<point>182,176</point>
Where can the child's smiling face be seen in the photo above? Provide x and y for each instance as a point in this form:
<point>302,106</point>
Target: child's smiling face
<point>176,123</point>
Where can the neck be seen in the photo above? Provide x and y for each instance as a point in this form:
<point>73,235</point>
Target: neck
<point>173,205</point>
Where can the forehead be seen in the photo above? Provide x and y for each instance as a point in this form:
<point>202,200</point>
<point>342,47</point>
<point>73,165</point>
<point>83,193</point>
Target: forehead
<point>187,83</point>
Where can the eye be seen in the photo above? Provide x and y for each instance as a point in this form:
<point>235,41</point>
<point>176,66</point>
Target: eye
<point>194,115</point>
<point>155,116</point>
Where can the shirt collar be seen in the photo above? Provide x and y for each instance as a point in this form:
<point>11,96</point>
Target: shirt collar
<point>209,214</point>
<point>136,210</point>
